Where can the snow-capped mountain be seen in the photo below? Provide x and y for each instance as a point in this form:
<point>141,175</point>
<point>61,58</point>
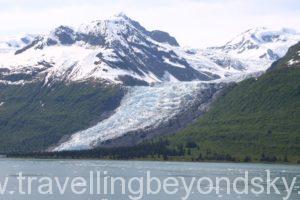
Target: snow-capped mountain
<point>119,50</point>
<point>254,50</point>
<point>184,82</point>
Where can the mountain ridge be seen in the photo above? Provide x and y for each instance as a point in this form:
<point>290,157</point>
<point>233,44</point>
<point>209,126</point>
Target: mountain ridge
<point>120,50</point>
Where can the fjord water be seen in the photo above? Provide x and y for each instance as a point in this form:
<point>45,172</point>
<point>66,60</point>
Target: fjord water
<point>128,169</point>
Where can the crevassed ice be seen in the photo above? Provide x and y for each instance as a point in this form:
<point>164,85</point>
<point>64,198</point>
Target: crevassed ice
<point>141,108</point>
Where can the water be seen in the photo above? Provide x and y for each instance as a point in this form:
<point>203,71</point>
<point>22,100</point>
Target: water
<point>63,169</point>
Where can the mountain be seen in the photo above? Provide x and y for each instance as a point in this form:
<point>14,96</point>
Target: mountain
<point>257,119</point>
<point>121,51</point>
<point>153,103</point>
<point>118,50</point>
<point>114,83</point>
<point>254,50</point>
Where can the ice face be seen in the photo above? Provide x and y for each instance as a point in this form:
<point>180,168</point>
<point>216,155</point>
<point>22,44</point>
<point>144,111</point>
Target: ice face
<point>142,107</point>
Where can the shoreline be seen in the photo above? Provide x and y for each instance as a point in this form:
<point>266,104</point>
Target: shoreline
<point>144,160</point>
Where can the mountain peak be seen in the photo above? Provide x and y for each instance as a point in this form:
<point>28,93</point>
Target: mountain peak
<point>262,35</point>
<point>118,29</point>
<point>121,15</point>
<point>262,40</point>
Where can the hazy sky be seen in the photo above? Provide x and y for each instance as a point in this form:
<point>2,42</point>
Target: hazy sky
<point>195,23</point>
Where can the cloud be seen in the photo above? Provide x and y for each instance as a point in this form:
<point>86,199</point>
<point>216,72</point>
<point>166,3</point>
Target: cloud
<point>195,23</point>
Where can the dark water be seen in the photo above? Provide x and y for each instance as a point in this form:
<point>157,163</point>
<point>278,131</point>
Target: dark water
<point>69,169</point>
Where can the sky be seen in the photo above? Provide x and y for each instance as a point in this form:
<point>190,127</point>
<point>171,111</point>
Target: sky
<point>194,23</point>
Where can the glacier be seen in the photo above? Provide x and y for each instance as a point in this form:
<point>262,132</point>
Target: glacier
<point>143,108</point>
<point>148,107</point>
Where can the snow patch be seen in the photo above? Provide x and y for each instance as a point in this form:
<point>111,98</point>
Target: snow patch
<point>169,77</point>
<point>167,60</point>
<point>293,62</point>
